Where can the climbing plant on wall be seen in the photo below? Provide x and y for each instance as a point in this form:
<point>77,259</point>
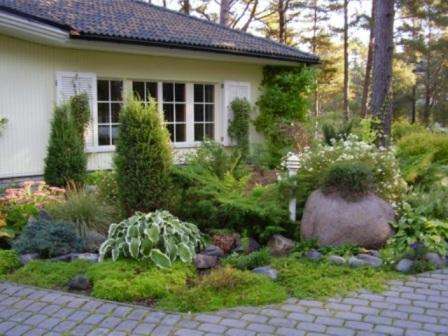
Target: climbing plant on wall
<point>283,102</point>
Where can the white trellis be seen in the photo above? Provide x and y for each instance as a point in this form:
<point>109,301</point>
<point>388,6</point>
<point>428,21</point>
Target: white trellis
<point>292,164</point>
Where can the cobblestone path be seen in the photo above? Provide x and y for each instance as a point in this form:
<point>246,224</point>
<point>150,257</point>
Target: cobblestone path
<point>416,306</point>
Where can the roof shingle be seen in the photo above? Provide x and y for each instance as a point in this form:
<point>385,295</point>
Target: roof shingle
<point>134,21</point>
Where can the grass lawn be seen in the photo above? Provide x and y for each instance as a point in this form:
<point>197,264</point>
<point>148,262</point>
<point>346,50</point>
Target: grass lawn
<point>181,289</point>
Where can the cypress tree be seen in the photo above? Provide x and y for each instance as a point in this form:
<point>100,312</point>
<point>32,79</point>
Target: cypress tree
<point>143,158</point>
<point>66,161</point>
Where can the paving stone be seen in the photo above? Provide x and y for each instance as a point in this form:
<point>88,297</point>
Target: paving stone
<point>144,328</point>
<point>137,314</point>
<point>188,332</point>
<point>329,321</point>
<point>64,326</point>
<point>170,319</point>
<point>310,326</point>
<point>100,332</point>
<point>212,327</point>
<point>162,331</point>
<point>126,326</point>
<point>78,315</point>
<point>254,318</point>
<point>389,330</point>
<point>418,332</point>
<point>349,316</point>
<point>208,318</point>
<point>239,332</point>
<point>337,331</point>
<point>290,332</point>
<point>233,323</point>
<point>301,317</point>
<point>35,319</point>
<point>357,325</point>
<point>36,332</point>
<point>49,323</point>
<point>260,328</point>
<point>18,330</point>
<point>110,322</point>
<point>94,318</point>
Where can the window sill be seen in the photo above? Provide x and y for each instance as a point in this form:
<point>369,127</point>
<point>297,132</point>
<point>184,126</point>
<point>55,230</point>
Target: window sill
<point>110,149</point>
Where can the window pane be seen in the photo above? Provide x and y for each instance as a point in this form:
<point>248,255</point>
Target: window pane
<point>198,93</point>
<point>103,136</point>
<point>210,131</point>
<point>114,134</point>
<point>180,112</point>
<point>115,110</point>
<point>170,128</point>
<point>151,90</point>
<point>198,132</point>
<point>103,90</point>
<point>116,89</point>
<point>180,92</point>
<point>168,112</point>
<point>198,112</point>
<point>139,90</point>
<point>209,93</point>
<point>103,112</point>
<point>209,112</point>
<point>180,132</point>
<point>168,92</point>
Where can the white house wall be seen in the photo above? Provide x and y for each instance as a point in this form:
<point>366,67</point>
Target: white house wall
<point>28,94</point>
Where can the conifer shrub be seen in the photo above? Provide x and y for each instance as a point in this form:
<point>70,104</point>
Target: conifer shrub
<point>239,126</point>
<point>143,159</point>
<point>66,160</point>
<point>80,111</point>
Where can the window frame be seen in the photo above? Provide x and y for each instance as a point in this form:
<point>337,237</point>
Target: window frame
<point>110,124</point>
<point>204,103</point>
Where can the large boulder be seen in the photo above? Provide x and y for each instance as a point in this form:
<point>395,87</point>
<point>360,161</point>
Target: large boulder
<point>332,220</point>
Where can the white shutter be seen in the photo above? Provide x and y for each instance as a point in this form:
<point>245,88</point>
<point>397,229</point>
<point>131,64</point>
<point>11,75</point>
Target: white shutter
<point>232,90</point>
<point>69,84</point>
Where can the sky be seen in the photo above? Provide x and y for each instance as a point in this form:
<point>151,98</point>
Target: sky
<point>336,18</point>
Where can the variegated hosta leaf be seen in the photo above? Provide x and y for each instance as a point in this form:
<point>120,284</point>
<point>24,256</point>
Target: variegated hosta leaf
<point>160,259</point>
<point>115,253</point>
<point>145,247</point>
<point>184,253</point>
<point>134,247</point>
<point>153,233</point>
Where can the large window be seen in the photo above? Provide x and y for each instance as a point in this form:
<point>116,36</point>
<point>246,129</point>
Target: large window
<point>145,90</point>
<point>204,112</point>
<point>174,110</point>
<point>110,100</point>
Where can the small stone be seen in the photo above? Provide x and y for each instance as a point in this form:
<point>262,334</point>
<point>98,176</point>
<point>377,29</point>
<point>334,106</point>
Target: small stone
<point>314,255</point>
<point>374,253</point>
<point>280,245</point>
<point>213,250</point>
<point>225,242</point>
<point>64,257</point>
<point>435,259</point>
<point>79,282</point>
<point>337,260</point>
<point>370,259</point>
<point>92,257</point>
<point>355,262</point>
<point>93,241</point>
<point>404,265</point>
<point>203,261</point>
<point>267,271</point>
<point>26,258</point>
<point>252,246</point>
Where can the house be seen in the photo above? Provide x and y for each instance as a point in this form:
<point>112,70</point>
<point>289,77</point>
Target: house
<point>53,49</point>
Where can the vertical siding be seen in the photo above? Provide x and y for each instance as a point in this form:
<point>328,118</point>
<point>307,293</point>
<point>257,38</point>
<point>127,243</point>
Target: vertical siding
<point>27,92</point>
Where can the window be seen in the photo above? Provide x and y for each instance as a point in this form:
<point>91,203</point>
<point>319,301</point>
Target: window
<point>204,112</point>
<point>110,99</point>
<point>145,90</point>
<point>174,110</point>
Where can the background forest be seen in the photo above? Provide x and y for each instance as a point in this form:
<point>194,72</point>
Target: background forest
<point>341,33</point>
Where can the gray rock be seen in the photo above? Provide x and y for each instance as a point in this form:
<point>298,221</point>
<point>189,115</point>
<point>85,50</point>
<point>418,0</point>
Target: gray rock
<point>92,257</point>
<point>279,245</point>
<point>337,260</point>
<point>213,250</point>
<point>370,259</point>
<point>267,271</point>
<point>332,220</point>
<point>355,262</point>
<point>252,245</point>
<point>314,255</point>
<point>79,282</point>
<point>435,259</point>
<point>404,265</point>
<point>203,261</point>
<point>93,241</point>
<point>26,258</point>
<point>374,253</point>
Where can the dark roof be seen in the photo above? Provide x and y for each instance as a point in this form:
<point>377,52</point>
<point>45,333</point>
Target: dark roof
<point>137,22</point>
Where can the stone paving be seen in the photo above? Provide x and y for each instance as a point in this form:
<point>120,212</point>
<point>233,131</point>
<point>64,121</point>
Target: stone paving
<point>415,306</point>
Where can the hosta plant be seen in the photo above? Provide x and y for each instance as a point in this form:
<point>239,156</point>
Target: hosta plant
<point>158,236</point>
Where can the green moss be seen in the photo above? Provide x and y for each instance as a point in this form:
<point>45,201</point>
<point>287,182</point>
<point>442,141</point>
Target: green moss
<point>48,274</point>
<point>9,261</point>
<point>307,279</point>
<point>135,281</point>
<point>249,261</point>
<point>224,288</point>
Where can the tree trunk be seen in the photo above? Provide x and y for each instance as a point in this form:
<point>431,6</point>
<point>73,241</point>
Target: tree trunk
<point>365,91</point>
<point>382,66</point>
<point>414,103</point>
<point>314,49</point>
<point>224,13</point>
<point>185,7</point>
<point>346,108</point>
<point>281,22</point>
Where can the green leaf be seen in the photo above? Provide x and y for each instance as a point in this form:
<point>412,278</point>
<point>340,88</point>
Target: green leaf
<point>115,253</point>
<point>134,247</point>
<point>153,233</point>
<point>184,253</point>
<point>146,247</point>
<point>160,259</point>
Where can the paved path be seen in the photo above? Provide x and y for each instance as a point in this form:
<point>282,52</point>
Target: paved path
<point>417,306</point>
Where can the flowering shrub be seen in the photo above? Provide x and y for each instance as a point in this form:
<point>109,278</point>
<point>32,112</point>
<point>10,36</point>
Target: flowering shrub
<point>315,162</point>
<point>18,204</point>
